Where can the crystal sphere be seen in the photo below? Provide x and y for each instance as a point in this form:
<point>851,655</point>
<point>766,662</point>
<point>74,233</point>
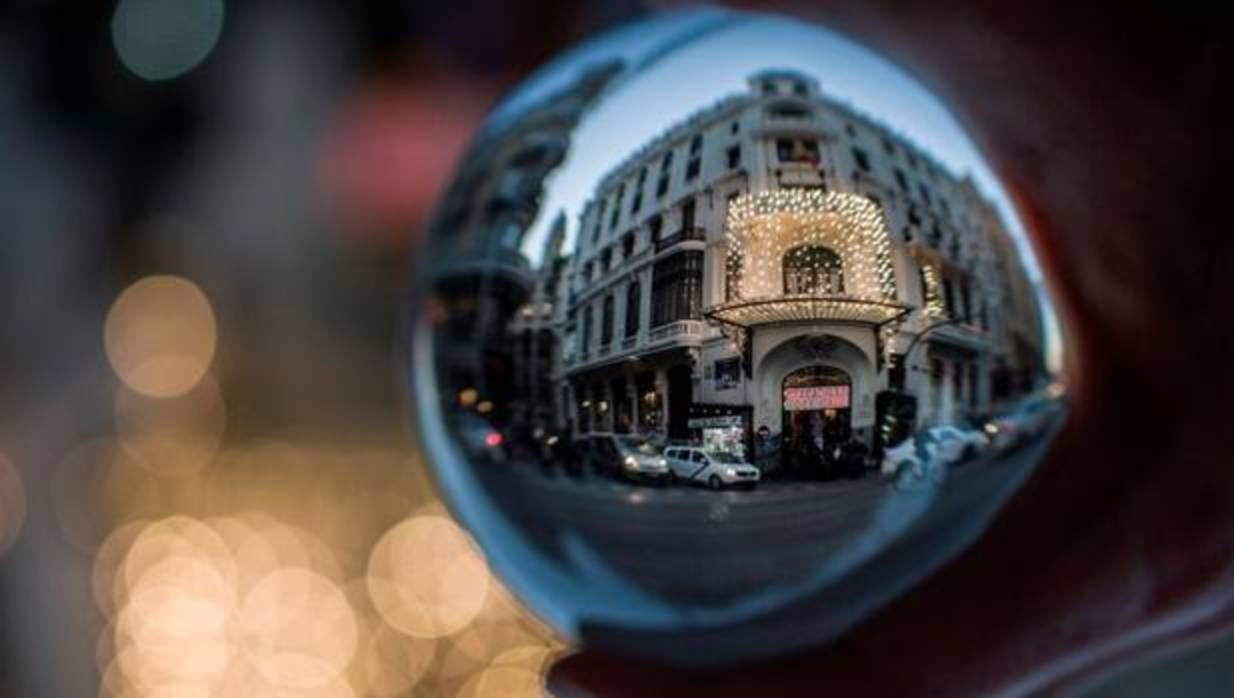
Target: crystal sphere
<point>725,335</point>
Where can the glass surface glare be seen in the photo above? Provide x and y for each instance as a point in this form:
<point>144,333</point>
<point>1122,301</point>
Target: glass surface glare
<point>725,335</point>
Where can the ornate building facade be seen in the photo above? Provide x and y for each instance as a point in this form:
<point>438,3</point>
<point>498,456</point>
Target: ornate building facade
<point>756,274</point>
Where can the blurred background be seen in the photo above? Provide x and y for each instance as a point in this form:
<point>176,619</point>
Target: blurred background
<point>206,483</point>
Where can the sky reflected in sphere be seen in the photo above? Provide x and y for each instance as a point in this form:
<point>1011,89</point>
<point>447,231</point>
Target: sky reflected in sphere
<point>726,336</point>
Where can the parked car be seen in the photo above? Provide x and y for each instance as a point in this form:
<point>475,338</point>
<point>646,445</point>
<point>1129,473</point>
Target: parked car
<point>914,463</point>
<point>480,440</point>
<point>716,470</point>
<point>630,457</point>
<point>957,445</point>
<point>932,450</point>
<point>1004,433</point>
<point>1012,430</point>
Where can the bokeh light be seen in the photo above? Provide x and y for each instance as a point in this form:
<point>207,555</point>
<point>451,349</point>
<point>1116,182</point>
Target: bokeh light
<point>12,504</point>
<point>172,436</point>
<point>96,485</point>
<point>427,578</point>
<point>163,39</point>
<point>160,336</point>
<point>223,587</point>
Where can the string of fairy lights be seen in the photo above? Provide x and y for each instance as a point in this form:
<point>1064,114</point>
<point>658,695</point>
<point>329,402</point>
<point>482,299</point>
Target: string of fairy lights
<point>805,254</point>
<point>934,308</point>
<point>764,226</point>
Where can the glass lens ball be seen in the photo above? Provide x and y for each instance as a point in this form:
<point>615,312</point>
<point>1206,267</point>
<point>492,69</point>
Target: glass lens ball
<point>724,336</point>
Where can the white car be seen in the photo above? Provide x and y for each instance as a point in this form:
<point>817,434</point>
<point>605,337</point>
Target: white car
<point>924,457</point>
<point>955,444</point>
<point>911,464</point>
<point>716,470</point>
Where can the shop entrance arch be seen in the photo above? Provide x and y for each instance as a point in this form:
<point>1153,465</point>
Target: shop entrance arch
<point>816,403</point>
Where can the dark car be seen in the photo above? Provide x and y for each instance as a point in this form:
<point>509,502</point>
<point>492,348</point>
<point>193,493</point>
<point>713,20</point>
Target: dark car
<point>628,457</point>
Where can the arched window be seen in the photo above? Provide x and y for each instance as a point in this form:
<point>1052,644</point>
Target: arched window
<point>813,269</point>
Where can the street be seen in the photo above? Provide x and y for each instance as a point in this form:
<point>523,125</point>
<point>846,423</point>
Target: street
<point>730,558</point>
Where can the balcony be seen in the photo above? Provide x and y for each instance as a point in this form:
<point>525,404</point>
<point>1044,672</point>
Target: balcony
<point>674,330</point>
<point>694,232</point>
<point>961,334</point>
<point>689,331</point>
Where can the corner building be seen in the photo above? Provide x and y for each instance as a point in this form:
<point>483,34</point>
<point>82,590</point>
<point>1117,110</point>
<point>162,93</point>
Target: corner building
<point>752,278</point>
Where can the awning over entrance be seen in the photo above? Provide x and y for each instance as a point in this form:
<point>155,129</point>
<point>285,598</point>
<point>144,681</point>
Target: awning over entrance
<point>805,308</point>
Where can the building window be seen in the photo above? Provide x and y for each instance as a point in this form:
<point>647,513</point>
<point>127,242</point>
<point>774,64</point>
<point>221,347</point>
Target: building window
<point>948,297</point>
<point>696,144</point>
<point>606,329</point>
<point>692,168</point>
<point>889,147</point>
<point>863,160</point>
<point>852,132</point>
<point>687,215</point>
<point>972,385</point>
<point>606,259</point>
<point>901,180</point>
<point>733,128</point>
<point>587,329</point>
<point>799,89</point>
<point>627,246</point>
<point>734,157</point>
<point>912,161</point>
<point>666,166</point>
<point>634,305</point>
<point>965,301</point>
<point>677,288</point>
<point>789,111</point>
<point>727,373</point>
<point>797,150</point>
<point>813,269</point>
<point>769,87</point>
<point>656,225</point>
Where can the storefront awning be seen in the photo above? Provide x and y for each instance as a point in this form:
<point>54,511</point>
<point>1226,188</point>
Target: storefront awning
<point>805,308</point>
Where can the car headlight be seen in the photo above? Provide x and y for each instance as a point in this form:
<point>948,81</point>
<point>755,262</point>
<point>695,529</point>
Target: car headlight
<point>730,472</point>
<point>663,462</point>
<point>631,462</point>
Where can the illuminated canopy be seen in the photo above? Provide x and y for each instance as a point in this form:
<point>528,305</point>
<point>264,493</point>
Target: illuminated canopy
<point>764,226</point>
